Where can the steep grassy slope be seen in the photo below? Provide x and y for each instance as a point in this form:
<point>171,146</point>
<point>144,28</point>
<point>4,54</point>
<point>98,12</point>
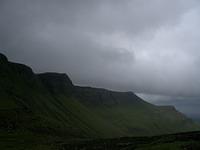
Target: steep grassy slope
<point>49,105</point>
<point>133,115</point>
<point>27,103</point>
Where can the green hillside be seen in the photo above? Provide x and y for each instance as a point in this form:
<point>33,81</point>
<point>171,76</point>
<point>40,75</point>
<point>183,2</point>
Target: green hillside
<point>133,115</point>
<point>47,107</point>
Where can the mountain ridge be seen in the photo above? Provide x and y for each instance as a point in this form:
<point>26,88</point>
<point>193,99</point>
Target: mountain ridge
<point>49,103</point>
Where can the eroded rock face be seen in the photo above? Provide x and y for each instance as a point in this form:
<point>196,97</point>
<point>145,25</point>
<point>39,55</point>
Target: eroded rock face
<point>57,82</point>
<point>3,58</point>
<point>98,96</point>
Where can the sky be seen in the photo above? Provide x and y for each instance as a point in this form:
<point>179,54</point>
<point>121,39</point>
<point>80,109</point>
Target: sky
<point>149,47</point>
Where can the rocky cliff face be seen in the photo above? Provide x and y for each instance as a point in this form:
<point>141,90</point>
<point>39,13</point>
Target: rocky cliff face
<point>57,83</point>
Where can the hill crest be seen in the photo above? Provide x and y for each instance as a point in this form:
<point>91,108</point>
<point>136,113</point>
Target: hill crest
<point>49,103</point>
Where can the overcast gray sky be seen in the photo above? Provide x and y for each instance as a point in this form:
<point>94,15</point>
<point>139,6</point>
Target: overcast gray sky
<point>144,46</point>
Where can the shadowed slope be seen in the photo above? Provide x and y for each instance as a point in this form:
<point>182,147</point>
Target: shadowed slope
<point>49,104</point>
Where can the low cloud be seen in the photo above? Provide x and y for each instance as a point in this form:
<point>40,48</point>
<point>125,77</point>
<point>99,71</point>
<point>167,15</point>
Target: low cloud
<point>135,45</point>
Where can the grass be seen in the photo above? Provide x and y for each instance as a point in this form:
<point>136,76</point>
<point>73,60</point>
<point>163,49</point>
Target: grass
<point>27,141</point>
<point>181,141</point>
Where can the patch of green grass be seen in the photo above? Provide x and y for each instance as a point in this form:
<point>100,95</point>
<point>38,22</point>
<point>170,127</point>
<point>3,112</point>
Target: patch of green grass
<point>171,146</point>
<point>24,140</point>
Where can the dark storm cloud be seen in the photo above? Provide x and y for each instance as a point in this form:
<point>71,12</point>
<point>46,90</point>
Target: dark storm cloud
<point>138,45</point>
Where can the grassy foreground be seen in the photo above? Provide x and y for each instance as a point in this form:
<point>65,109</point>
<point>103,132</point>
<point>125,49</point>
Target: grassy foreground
<point>30,141</point>
<point>181,141</point>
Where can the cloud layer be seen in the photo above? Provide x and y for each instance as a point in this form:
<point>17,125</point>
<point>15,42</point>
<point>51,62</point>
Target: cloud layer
<point>137,45</point>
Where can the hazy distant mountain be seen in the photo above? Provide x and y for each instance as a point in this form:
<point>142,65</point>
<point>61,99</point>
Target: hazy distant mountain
<point>49,105</point>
